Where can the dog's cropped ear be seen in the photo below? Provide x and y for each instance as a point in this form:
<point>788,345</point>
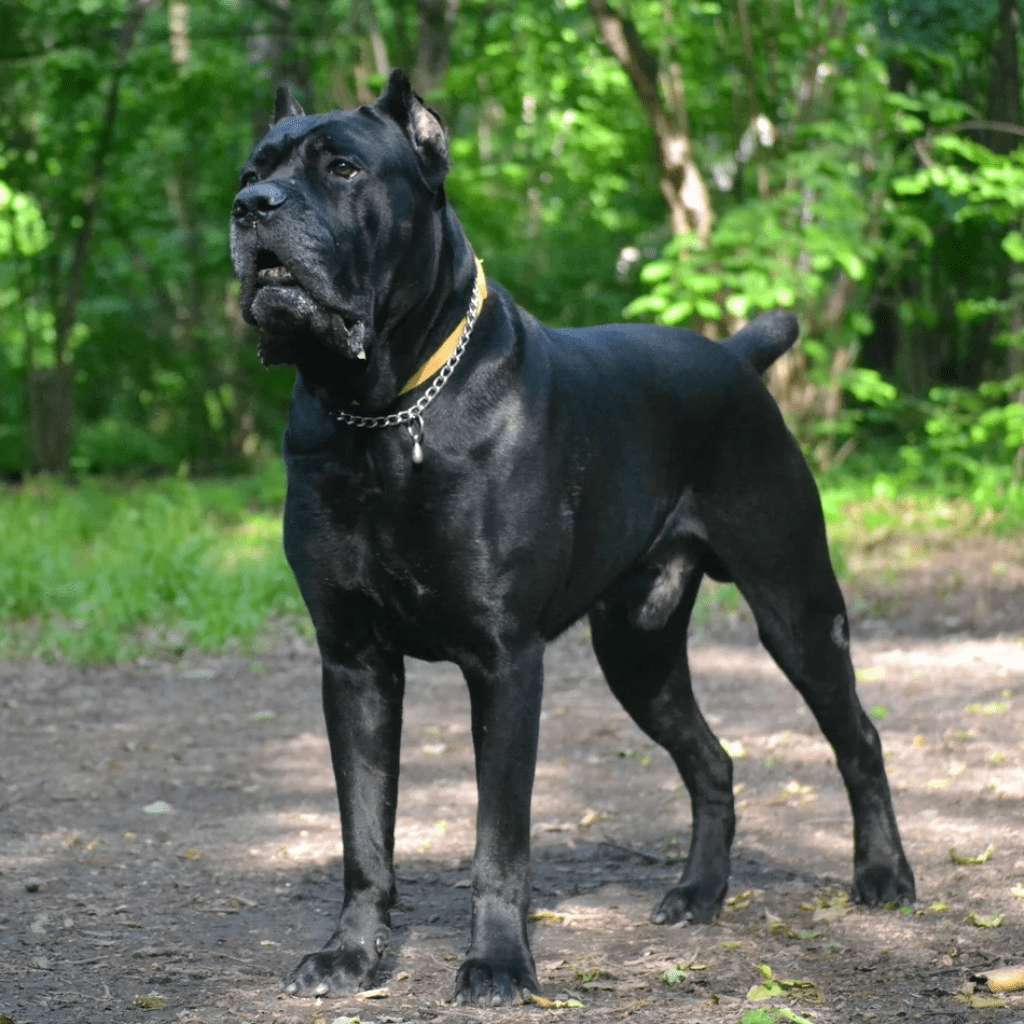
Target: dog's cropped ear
<point>285,106</point>
<point>423,126</point>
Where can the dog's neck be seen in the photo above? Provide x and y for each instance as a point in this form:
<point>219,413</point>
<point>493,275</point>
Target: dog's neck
<point>410,325</point>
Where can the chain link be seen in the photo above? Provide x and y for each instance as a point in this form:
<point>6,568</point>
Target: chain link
<point>394,419</point>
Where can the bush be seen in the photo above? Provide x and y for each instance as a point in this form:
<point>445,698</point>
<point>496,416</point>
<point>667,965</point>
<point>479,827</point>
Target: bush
<point>115,447</point>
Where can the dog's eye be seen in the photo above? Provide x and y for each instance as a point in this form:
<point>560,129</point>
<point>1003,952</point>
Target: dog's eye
<point>342,169</point>
<point>247,179</point>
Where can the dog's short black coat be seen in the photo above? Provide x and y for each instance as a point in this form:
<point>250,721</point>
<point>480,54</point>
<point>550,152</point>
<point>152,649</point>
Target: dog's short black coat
<point>598,471</point>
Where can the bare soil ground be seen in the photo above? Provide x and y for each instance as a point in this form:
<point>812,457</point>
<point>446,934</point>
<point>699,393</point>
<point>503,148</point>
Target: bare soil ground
<point>112,913</point>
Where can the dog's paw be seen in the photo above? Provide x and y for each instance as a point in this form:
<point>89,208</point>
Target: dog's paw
<point>333,972</point>
<point>877,885</point>
<point>690,903</point>
<point>481,983</point>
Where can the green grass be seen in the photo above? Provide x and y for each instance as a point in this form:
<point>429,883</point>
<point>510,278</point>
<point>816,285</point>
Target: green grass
<point>992,501</point>
<point>871,511</point>
<point>106,571</point>
<point>103,572</point>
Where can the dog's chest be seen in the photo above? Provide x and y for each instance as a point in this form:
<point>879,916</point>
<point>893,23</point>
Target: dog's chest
<point>355,532</point>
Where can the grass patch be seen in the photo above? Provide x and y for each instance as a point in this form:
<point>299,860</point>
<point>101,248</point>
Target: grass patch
<point>871,520</point>
<point>104,571</point>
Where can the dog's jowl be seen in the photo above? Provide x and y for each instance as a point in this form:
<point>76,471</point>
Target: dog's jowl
<point>464,483</point>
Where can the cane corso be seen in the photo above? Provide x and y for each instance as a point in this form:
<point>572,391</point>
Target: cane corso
<point>464,483</point>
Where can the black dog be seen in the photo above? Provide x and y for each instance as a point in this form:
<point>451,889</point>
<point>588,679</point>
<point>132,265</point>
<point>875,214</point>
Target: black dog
<point>464,483</point>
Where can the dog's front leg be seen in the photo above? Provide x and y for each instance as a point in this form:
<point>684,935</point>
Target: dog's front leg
<point>506,698</point>
<point>362,698</point>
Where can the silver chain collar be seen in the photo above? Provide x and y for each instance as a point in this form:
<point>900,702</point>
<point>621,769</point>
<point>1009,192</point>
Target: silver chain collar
<point>413,416</point>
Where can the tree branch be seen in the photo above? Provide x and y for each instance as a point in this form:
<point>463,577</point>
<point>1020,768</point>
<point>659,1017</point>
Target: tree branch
<point>988,126</point>
<point>91,201</point>
<point>681,182</point>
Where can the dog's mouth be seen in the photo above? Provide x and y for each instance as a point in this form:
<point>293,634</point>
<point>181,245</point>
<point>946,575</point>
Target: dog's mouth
<point>271,271</point>
<point>285,311</point>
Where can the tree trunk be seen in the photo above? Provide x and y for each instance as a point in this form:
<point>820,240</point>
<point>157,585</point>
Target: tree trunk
<point>51,420</point>
<point>681,182</point>
<point>1004,79</point>
<point>437,20</point>
<point>51,392</point>
<point>1004,107</point>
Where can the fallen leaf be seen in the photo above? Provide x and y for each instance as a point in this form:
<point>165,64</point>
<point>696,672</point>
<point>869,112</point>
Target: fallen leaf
<point>550,916</point>
<point>772,1014</point>
<point>742,900</point>
<point>769,990</point>
<point>154,1001</point>
<point>997,707</point>
<point>758,1016</point>
<point>978,1002</point>
<point>774,987</point>
<point>958,858</point>
<point>555,1004</point>
<point>983,922</point>
<point>874,674</point>
<point>1003,979</point>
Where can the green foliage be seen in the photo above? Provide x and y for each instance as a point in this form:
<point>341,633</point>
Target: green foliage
<point>772,1015</point>
<point>844,183</point>
<point>105,571</point>
<point>552,162</point>
<point>801,200</point>
<point>862,192</point>
<point>118,447</point>
<point>100,572</point>
<point>969,429</point>
<point>674,976</point>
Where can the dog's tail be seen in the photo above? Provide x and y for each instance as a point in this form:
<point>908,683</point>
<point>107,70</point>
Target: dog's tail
<point>763,340</point>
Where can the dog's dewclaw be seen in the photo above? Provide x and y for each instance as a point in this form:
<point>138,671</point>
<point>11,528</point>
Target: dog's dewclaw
<point>1004,979</point>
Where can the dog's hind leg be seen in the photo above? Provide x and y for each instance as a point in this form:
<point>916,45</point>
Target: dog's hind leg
<point>804,627</point>
<point>648,671</point>
<point>784,571</point>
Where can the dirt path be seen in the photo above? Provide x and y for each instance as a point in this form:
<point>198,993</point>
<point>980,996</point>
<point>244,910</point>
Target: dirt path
<point>105,905</point>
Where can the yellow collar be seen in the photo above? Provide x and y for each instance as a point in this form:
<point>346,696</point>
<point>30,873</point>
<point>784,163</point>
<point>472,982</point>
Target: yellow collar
<point>444,353</point>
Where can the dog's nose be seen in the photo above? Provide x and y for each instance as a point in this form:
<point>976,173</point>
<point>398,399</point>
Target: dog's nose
<point>257,200</point>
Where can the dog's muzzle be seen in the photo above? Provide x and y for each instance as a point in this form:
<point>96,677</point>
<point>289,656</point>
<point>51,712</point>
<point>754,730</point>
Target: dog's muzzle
<point>256,202</point>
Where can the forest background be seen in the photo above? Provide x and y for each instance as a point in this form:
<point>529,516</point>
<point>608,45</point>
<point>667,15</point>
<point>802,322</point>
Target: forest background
<point>692,162</point>
<point>688,162</point>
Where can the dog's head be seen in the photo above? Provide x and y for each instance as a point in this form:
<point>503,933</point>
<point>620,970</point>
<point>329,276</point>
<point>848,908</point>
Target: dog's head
<point>335,232</point>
